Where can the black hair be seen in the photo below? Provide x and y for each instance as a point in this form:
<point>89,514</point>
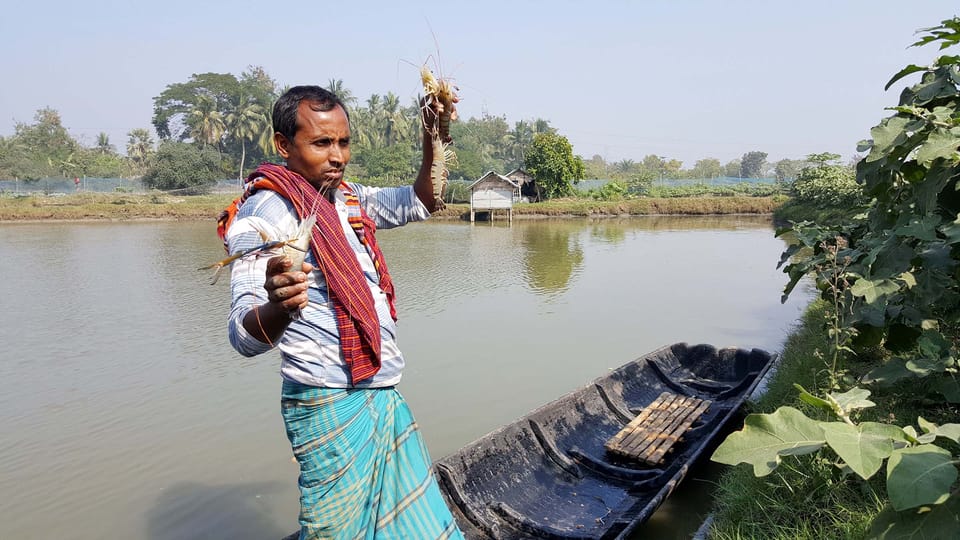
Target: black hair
<point>285,109</point>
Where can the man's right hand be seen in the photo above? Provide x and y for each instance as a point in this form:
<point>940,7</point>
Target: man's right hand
<point>286,289</point>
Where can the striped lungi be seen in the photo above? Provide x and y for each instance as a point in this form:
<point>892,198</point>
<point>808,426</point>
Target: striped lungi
<point>364,470</point>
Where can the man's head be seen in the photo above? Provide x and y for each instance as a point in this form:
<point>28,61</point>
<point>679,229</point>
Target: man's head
<point>312,133</point>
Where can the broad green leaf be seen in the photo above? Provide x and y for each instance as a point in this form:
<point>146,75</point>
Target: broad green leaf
<point>921,229</point>
<point>926,426</point>
<point>941,143</point>
<point>952,231</point>
<point>949,388</point>
<point>871,290</point>
<point>855,398</point>
<point>934,85</point>
<point>925,366</point>
<point>863,447</point>
<point>872,315</point>
<point>895,257</point>
<point>933,344</point>
<point>811,399</point>
<point>949,431</point>
<point>893,370</point>
<point>924,523</point>
<point>943,114</point>
<point>946,60</point>
<point>927,192</point>
<point>765,438</point>
<point>919,475</point>
<point>887,134</point>
<point>912,68</point>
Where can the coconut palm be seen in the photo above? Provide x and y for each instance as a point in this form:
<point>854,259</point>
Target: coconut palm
<point>361,128</point>
<point>245,124</point>
<point>342,92</point>
<point>394,119</point>
<point>542,126</point>
<point>139,146</point>
<point>518,140</point>
<point>373,121</point>
<point>625,165</point>
<point>206,122</point>
<point>103,144</point>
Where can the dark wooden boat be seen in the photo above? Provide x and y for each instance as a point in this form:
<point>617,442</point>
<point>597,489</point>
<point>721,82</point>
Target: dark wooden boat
<point>578,468</point>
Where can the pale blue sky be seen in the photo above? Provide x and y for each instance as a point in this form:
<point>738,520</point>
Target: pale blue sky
<point>681,79</point>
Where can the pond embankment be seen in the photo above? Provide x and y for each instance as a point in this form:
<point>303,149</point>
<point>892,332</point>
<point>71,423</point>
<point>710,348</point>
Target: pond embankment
<point>126,206</point>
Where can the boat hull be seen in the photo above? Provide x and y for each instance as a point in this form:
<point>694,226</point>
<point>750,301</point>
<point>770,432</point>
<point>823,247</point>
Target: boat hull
<point>549,475</point>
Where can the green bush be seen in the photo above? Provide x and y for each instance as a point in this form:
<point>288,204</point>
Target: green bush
<point>184,167</point>
<point>829,185</point>
<point>611,191</point>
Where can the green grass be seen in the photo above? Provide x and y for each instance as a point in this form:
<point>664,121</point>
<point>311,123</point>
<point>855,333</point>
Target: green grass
<point>124,206</point>
<point>809,497</point>
<point>796,212</point>
<point>112,206</point>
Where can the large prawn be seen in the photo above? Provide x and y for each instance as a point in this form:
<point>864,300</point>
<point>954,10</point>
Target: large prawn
<point>439,100</point>
<point>295,248</point>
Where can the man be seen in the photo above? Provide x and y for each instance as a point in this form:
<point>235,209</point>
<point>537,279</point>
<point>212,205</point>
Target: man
<point>364,470</point>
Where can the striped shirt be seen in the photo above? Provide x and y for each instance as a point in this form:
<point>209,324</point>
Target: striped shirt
<point>310,347</point>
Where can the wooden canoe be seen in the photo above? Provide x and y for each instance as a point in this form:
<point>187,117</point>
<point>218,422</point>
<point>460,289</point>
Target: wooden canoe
<point>597,462</point>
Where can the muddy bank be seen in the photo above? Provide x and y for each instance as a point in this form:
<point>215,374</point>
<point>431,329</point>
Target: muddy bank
<point>118,207</point>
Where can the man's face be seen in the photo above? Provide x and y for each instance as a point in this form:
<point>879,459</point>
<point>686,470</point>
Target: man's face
<point>320,150</point>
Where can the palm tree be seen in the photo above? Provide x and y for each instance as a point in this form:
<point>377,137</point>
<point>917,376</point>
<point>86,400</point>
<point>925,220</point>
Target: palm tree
<point>103,144</point>
<point>265,134</point>
<point>374,121</point>
<point>139,146</point>
<point>206,122</point>
<point>361,128</point>
<point>625,165</point>
<point>518,140</point>
<point>542,126</point>
<point>343,93</point>
<point>394,121</point>
<point>245,123</point>
<point>414,125</point>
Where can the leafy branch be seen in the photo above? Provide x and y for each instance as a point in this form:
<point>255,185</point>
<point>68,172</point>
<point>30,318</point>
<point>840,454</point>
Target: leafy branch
<point>892,282</point>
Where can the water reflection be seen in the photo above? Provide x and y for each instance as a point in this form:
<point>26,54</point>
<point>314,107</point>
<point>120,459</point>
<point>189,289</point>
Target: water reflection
<point>553,255</point>
<point>611,233</point>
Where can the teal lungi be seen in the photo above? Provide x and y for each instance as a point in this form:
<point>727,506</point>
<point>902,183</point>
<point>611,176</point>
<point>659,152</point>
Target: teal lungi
<point>364,469</point>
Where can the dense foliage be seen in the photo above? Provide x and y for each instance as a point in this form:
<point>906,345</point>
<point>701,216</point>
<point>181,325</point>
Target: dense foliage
<point>45,149</point>
<point>892,285</point>
<point>551,161</point>
<point>184,167</point>
<point>825,183</point>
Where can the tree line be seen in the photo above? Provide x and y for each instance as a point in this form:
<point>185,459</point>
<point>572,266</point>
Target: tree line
<point>217,125</point>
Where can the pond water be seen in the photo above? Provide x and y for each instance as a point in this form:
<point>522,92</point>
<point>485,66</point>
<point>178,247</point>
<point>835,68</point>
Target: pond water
<point>124,412</point>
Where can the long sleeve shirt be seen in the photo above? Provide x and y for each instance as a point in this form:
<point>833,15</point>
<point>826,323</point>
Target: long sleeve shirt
<point>310,346</point>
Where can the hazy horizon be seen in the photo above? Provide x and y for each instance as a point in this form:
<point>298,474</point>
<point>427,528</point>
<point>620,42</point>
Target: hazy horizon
<point>684,80</point>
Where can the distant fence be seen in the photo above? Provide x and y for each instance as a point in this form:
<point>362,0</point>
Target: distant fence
<point>596,183</point>
<point>457,190</point>
<point>93,185</point>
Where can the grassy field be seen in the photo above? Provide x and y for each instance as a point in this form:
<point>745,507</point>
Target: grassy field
<point>125,206</point>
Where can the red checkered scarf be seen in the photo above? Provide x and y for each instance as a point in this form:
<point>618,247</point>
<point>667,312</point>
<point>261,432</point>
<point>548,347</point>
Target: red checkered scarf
<point>356,314</point>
